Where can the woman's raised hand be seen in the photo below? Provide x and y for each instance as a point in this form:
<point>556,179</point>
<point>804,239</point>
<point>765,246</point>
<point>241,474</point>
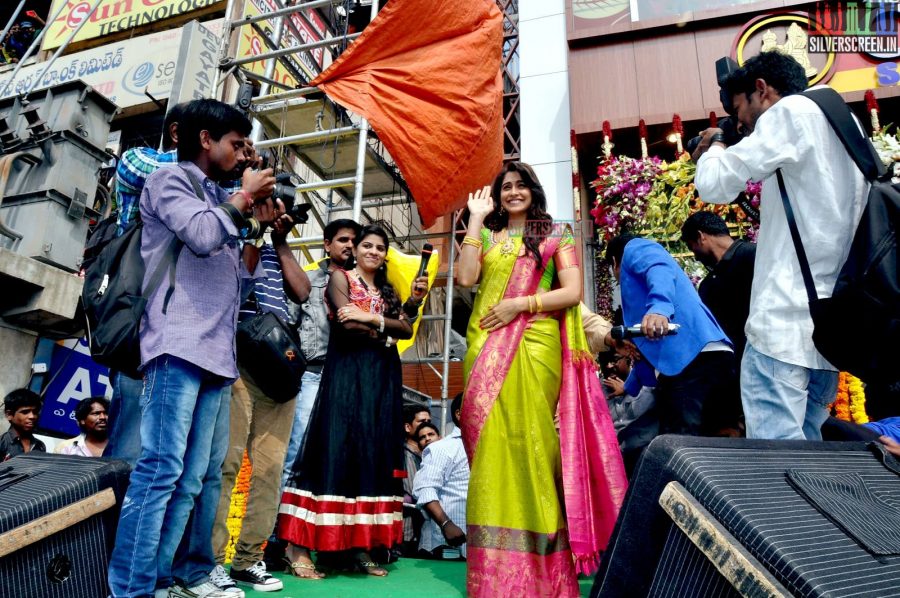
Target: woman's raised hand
<point>480,202</point>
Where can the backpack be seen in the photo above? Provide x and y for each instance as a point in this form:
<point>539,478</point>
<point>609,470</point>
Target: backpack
<point>112,298</point>
<point>857,329</point>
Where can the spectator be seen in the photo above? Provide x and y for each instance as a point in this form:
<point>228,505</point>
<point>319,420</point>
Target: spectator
<point>23,409</point>
<point>634,417</point>
<point>692,364</point>
<point>726,289</point>
<point>426,434</point>
<point>441,489</point>
<point>91,415</point>
<point>352,461</point>
<point>135,165</point>
<point>786,384</point>
<point>184,423</point>
<point>259,425</point>
<point>726,292</point>
<point>413,416</point>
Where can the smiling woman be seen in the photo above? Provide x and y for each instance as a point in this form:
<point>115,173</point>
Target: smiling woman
<point>345,492</point>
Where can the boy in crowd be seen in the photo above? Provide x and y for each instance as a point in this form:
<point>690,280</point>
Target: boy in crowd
<point>23,408</point>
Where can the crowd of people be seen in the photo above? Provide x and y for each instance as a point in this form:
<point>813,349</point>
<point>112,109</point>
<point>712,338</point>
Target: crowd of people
<point>528,483</point>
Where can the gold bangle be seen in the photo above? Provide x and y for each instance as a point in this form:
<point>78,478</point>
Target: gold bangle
<point>537,300</point>
<point>474,242</point>
<point>530,304</point>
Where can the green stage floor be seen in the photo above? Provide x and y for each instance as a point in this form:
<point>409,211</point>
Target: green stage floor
<point>412,578</point>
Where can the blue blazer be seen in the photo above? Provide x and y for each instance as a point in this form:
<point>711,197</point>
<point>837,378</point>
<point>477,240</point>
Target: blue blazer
<point>651,281</point>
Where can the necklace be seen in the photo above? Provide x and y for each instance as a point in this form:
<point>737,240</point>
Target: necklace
<point>509,245</point>
<point>364,283</point>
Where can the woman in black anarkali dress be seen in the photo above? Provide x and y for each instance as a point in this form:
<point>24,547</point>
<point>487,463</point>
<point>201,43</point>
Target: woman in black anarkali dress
<point>345,490</point>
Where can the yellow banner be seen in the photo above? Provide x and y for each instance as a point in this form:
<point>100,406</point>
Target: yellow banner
<point>112,16</point>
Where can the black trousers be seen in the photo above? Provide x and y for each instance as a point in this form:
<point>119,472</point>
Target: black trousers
<point>702,399</point>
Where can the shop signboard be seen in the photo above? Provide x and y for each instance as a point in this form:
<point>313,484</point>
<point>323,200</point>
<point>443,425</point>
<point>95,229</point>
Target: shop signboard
<point>125,72</point>
<point>73,376</point>
<point>308,24</point>
<point>113,16</point>
<point>197,63</point>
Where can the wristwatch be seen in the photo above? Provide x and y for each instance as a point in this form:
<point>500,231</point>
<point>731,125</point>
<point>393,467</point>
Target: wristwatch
<point>717,137</point>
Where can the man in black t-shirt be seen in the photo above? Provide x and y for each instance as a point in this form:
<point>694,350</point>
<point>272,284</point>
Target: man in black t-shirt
<point>726,289</point>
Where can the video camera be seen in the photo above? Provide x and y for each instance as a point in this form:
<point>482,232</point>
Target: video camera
<point>729,125</point>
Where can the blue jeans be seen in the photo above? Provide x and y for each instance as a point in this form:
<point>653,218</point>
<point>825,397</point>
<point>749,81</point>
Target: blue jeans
<point>784,401</point>
<point>125,418</point>
<point>180,407</point>
<point>191,559</point>
<point>305,402</point>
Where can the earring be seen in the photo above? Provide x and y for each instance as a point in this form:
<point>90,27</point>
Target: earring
<point>502,211</point>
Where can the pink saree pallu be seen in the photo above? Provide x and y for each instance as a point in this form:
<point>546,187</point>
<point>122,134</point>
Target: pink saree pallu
<point>542,503</point>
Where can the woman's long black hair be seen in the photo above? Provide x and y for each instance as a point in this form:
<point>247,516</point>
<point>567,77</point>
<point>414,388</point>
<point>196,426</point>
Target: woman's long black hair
<point>537,221</point>
<point>388,294</point>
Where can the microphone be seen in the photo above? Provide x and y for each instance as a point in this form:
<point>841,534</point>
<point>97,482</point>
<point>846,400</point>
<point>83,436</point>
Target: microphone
<point>427,250</point>
<point>620,333</point>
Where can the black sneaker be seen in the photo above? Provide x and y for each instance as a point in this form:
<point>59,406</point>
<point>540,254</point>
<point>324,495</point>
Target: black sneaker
<point>257,578</point>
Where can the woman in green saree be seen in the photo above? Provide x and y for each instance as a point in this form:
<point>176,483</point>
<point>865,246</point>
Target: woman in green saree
<point>542,503</point>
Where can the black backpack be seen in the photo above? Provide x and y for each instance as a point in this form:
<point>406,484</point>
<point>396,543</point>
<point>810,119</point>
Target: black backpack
<point>857,329</point>
<point>112,297</point>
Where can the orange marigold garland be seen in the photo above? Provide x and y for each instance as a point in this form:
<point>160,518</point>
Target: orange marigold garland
<point>850,403</point>
<point>238,507</point>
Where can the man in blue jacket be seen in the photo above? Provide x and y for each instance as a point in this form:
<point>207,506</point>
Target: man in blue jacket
<point>689,368</point>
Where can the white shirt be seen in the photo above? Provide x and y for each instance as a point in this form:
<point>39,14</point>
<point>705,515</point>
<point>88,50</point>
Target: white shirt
<point>827,193</point>
<point>444,477</point>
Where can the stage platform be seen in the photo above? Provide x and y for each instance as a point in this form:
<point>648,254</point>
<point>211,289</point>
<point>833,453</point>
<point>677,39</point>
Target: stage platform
<point>409,578</point>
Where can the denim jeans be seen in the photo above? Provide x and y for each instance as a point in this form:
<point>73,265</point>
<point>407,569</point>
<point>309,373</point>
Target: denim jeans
<point>783,401</point>
<point>191,559</point>
<point>305,402</point>
<point>125,418</point>
<point>180,407</point>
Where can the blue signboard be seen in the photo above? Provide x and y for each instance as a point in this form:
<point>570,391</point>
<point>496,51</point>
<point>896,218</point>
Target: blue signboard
<point>73,376</point>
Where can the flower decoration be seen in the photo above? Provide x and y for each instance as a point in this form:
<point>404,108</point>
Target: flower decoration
<point>642,133</point>
<point>872,107</point>
<point>622,187</point>
<point>850,402</point>
<point>238,506</point>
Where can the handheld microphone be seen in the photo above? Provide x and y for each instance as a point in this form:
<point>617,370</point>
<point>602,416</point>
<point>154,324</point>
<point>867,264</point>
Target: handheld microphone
<point>620,333</point>
<point>427,250</point>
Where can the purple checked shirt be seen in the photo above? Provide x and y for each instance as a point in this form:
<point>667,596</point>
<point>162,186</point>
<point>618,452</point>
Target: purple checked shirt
<point>200,323</point>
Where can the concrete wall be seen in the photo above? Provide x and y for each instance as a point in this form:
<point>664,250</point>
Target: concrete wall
<point>16,353</point>
<point>544,93</point>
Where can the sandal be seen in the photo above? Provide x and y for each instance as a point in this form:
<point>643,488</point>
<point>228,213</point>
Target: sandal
<point>363,563</point>
<point>301,569</point>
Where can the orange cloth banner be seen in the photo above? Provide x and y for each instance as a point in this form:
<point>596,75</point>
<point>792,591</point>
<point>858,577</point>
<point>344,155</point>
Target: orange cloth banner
<point>426,73</point>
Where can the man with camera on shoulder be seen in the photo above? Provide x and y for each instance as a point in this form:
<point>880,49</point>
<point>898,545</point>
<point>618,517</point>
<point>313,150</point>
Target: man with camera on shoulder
<point>786,384</point>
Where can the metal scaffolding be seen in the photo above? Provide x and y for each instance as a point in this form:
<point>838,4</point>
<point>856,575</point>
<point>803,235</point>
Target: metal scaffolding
<point>336,149</point>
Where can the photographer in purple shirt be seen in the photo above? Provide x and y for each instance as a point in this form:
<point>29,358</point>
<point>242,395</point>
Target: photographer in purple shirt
<point>187,350</point>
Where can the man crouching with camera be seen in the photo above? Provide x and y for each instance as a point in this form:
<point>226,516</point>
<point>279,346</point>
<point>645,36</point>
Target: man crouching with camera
<point>187,351</point>
<point>786,384</point>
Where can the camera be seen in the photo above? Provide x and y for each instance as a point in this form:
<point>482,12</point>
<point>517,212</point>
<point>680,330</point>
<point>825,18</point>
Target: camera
<point>286,191</point>
<point>730,130</point>
<point>729,125</point>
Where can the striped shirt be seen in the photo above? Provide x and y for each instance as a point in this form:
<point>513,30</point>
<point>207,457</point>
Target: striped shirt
<point>444,477</point>
<point>269,290</point>
<point>134,167</point>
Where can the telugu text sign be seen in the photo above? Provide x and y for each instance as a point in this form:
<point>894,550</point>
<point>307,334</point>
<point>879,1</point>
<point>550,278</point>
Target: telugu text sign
<point>125,72</point>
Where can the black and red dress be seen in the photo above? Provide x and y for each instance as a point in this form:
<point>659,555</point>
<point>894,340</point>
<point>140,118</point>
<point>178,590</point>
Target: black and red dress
<point>345,490</point>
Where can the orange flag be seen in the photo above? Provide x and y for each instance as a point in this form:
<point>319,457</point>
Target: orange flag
<point>426,73</point>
